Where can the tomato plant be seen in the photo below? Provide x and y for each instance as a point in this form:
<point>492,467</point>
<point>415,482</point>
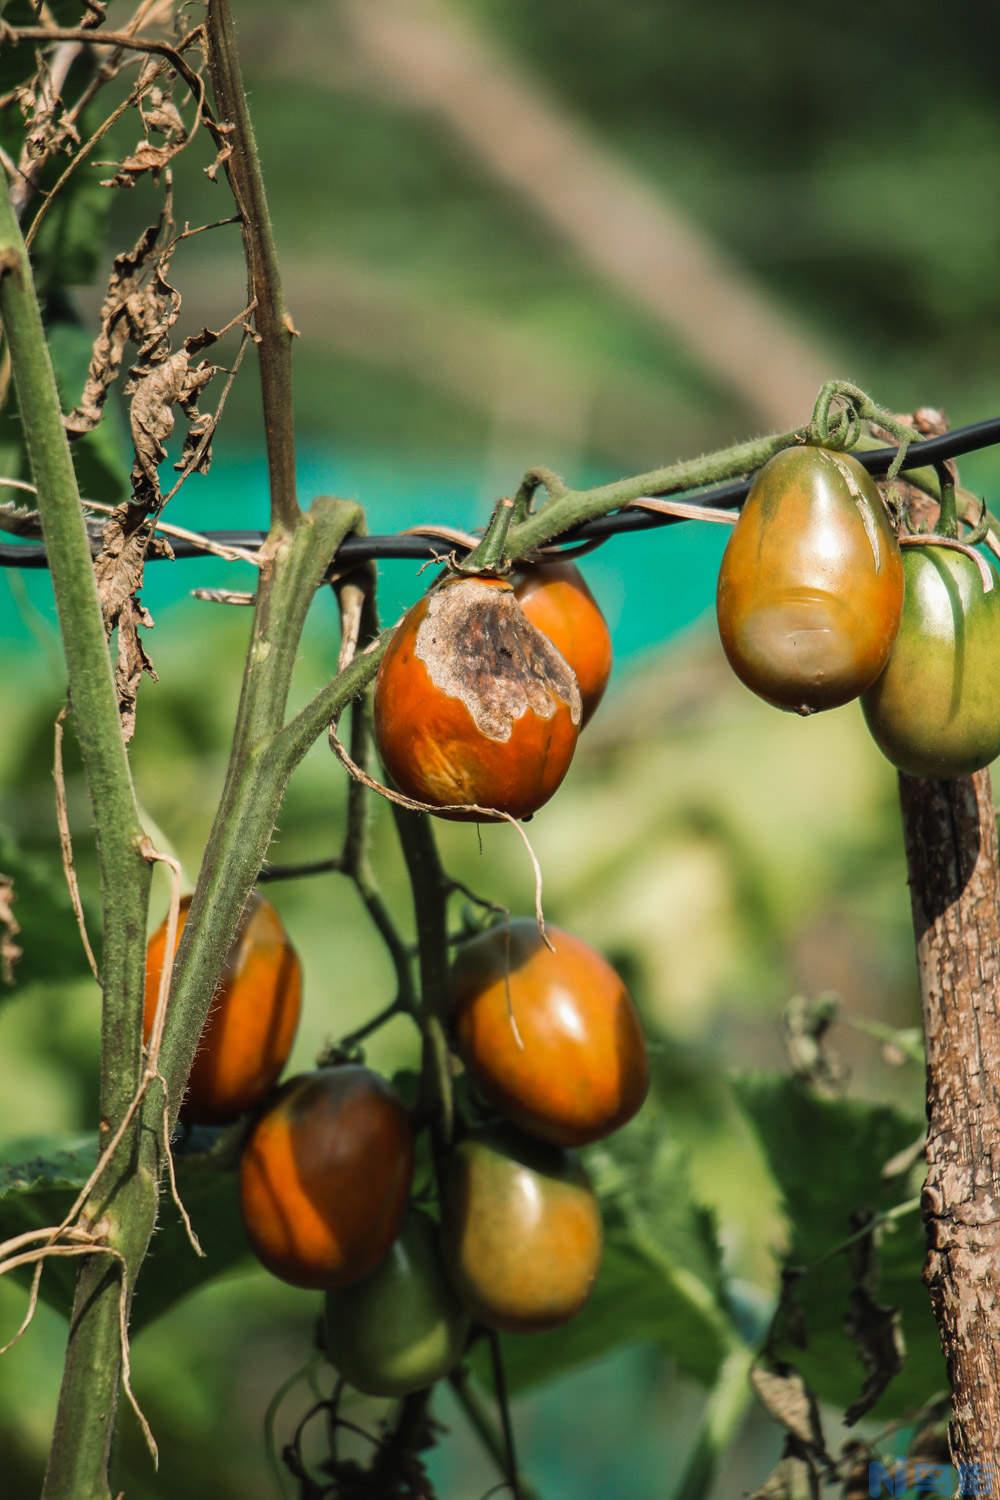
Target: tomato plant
<point>402,1327</point>
<point>473,704</point>
<point>325,1177</point>
<point>255,1012</point>
<point>934,711</point>
<point>522,1231</point>
<point>479,700</point>
<point>557,601</point>
<point>811,584</point>
<point>551,1038</point>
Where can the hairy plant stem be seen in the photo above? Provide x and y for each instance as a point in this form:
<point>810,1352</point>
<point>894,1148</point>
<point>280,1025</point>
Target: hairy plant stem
<point>262,760</point>
<point>566,508</point>
<point>571,508</point>
<point>124,1201</point>
<point>273,325</point>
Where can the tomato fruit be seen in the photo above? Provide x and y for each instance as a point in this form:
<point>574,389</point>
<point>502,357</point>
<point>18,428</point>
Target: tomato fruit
<point>935,711</point>
<point>473,704</point>
<point>402,1327</point>
<point>811,583</point>
<point>252,1023</point>
<point>522,1231</point>
<point>557,601</point>
<point>325,1177</point>
<point>552,1039</point>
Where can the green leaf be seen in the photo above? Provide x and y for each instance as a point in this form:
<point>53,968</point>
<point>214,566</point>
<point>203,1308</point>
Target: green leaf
<point>49,938</point>
<point>171,1270</point>
<point>39,1181</point>
<point>71,241</point>
<point>827,1155</point>
<point>661,1278</point>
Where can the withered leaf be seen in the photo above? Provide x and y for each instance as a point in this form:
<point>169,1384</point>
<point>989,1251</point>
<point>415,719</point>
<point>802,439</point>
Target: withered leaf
<point>794,1478</point>
<point>876,1329</point>
<point>118,325</point>
<point>10,951</point>
<point>133,660</point>
<point>156,389</point>
<point>784,1394</point>
<point>145,158</point>
<point>160,114</point>
<point>118,570</point>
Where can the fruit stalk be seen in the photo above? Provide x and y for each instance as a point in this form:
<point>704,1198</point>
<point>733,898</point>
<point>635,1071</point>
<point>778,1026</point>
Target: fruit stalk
<point>951,850</point>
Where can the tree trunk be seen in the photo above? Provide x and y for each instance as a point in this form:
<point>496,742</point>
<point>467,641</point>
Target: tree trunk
<point>951,851</point>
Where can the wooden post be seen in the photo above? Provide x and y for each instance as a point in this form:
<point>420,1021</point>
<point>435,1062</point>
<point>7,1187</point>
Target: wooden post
<point>951,851</point>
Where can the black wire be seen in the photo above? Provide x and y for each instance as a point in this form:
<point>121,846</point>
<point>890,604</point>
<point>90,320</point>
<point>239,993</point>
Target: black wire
<point>359,549</point>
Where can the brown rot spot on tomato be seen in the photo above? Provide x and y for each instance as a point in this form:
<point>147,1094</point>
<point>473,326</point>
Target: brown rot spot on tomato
<point>474,707</point>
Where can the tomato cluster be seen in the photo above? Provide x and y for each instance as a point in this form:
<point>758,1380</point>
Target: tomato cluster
<point>479,703</point>
<point>818,605</point>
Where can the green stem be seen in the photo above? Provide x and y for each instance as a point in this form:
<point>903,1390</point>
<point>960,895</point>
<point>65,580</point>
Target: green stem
<point>489,556</point>
<point>261,762</point>
<point>300,733</point>
<point>948,518</point>
<point>572,507</point>
<point>272,323</point>
<point>483,1424</point>
<point>89,1391</point>
<point>724,1415</point>
<point>356,862</point>
<point>430,888</point>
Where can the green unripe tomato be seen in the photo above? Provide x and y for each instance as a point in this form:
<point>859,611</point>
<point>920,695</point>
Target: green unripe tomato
<point>402,1327</point>
<point>521,1230</point>
<point>935,710</point>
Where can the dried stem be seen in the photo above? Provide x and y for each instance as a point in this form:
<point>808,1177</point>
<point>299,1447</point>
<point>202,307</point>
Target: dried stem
<point>274,328</point>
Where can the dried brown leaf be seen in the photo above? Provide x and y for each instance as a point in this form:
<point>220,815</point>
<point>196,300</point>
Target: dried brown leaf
<point>133,660</point>
<point>10,952</point>
<point>792,1479</point>
<point>118,568</point>
<point>876,1329</point>
<point>785,1395</point>
<point>120,310</point>
<point>156,388</point>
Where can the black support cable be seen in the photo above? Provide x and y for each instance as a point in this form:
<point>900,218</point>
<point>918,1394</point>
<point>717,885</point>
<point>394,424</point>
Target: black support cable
<point>358,549</point>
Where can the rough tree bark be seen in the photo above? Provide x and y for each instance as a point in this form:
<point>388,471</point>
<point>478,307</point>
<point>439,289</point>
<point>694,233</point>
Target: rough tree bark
<point>951,851</point>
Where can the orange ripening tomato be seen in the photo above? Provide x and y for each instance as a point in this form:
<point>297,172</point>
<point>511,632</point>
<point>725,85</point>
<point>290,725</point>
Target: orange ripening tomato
<point>473,705</point>
<point>558,602</point>
<point>811,584</point>
<point>552,1039</point>
<point>252,1023</point>
<point>325,1177</point>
